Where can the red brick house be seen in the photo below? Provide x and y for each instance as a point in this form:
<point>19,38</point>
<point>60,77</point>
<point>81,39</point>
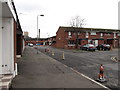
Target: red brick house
<point>41,41</point>
<point>66,37</point>
<point>34,41</point>
<point>51,41</point>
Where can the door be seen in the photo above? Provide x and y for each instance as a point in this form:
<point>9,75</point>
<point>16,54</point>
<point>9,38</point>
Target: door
<point>95,42</point>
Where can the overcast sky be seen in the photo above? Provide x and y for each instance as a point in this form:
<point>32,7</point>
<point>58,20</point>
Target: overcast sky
<point>97,13</point>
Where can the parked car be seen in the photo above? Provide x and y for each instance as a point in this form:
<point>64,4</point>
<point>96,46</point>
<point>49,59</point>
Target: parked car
<point>88,47</point>
<point>103,47</point>
<point>30,44</point>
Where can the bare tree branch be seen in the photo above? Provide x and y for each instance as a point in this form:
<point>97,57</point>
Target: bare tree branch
<point>77,21</point>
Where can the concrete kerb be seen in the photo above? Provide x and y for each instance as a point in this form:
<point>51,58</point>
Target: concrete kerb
<point>88,78</point>
<point>81,74</point>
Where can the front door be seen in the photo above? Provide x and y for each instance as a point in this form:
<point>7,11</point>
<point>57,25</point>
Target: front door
<point>95,42</point>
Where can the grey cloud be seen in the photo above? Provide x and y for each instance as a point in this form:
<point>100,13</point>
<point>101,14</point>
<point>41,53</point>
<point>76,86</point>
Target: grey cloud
<point>28,6</point>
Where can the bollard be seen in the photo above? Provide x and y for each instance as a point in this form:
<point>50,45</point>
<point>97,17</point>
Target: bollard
<point>53,53</point>
<point>63,56</point>
<point>46,49</point>
<point>111,48</point>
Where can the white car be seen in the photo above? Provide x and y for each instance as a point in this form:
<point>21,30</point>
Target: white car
<point>88,47</point>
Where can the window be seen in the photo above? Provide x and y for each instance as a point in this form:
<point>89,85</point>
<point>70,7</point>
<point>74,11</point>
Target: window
<point>101,34</point>
<point>87,34</point>
<point>78,33</point>
<point>93,33</point>
<point>107,34</point>
<point>89,41</point>
<point>74,33</point>
<point>114,35</point>
<point>118,34</point>
<point>71,43</point>
<point>69,34</point>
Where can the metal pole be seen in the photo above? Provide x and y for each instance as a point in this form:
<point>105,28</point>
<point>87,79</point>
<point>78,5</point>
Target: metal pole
<point>37,34</point>
<point>38,31</point>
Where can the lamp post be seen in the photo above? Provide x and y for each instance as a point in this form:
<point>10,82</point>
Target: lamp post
<point>38,30</point>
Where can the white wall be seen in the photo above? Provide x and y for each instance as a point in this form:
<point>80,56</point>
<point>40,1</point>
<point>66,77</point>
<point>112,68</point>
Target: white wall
<point>8,46</point>
<point>0,38</point>
<point>0,46</point>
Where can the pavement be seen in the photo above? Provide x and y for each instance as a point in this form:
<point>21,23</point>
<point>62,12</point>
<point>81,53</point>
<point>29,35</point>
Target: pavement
<point>41,71</point>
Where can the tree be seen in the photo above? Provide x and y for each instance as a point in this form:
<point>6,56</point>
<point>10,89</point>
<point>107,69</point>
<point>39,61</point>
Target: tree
<point>77,22</point>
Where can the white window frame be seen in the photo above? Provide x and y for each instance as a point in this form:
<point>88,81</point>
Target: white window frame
<point>71,44</point>
<point>101,34</point>
<point>118,34</point>
<point>79,33</point>
<point>114,35</point>
<point>93,33</point>
<point>87,34</point>
<point>69,34</point>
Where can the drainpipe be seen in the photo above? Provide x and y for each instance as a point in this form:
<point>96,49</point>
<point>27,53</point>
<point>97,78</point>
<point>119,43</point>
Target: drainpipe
<point>114,38</point>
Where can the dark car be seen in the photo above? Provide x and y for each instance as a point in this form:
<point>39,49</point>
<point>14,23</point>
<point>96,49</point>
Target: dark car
<point>88,47</point>
<point>103,47</point>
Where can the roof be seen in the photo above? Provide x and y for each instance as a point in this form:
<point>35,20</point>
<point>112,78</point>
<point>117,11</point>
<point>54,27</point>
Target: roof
<point>35,39</point>
<point>53,37</point>
<point>67,29</point>
<point>7,9</point>
<point>19,29</point>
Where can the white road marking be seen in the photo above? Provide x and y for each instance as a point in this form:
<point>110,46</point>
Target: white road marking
<point>88,78</point>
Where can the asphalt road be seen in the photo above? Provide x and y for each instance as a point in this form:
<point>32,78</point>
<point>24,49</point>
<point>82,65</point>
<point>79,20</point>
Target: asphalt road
<point>88,63</point>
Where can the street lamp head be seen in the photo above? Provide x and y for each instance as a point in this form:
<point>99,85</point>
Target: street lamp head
<point>41,15</point>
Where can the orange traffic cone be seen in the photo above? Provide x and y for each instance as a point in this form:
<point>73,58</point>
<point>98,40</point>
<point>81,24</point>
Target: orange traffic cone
<point>101,74</point>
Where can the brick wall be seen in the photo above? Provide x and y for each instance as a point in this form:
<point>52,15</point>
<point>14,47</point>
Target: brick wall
<point>62,38</point>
